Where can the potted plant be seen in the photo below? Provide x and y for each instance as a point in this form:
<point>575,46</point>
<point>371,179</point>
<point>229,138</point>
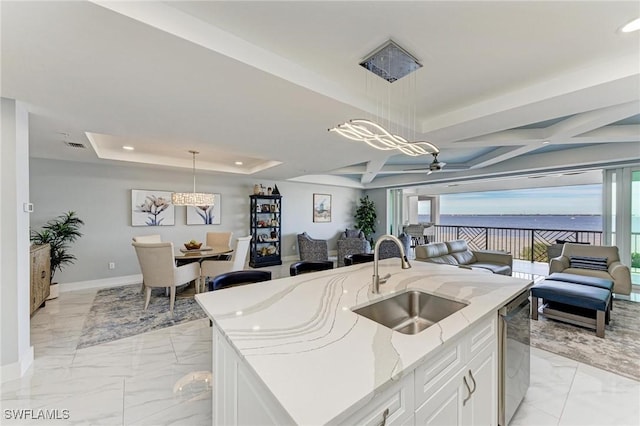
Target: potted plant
<point>366,217</point>
<point>59,233</point>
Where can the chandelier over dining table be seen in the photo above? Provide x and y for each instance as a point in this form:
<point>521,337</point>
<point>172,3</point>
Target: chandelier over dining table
<point>192,198</point>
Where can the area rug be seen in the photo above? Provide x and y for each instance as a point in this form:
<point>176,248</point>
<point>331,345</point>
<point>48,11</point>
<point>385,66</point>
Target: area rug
<point>618,352</point>
<point>118,312</point>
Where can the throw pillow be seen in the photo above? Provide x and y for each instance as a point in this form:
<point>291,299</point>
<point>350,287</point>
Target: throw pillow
<point>587,262</point>
<point>352,233</point>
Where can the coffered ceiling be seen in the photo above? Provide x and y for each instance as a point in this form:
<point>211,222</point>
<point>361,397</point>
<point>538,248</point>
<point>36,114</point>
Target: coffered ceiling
<point>506,87</point>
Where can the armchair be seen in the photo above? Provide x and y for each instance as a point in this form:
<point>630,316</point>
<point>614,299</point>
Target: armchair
<point>351,241</point>
<point>593,261</point>
<point>312,249</point>
<point>388,249</point>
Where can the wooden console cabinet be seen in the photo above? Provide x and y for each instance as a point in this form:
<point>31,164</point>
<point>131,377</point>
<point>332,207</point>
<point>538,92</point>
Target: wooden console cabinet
<point>40,275</point>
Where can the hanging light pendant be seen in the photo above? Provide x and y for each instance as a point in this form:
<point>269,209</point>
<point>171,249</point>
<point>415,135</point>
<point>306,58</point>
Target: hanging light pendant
<point>192,198</point>
<point>390,62</point>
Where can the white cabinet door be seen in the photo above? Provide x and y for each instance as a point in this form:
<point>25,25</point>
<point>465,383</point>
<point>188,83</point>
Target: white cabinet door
<point>393,406</point>
<point>481,408</point>
<point>444,407</point>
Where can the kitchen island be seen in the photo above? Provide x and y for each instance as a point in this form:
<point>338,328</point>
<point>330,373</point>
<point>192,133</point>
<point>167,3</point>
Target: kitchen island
<point>292,351</point>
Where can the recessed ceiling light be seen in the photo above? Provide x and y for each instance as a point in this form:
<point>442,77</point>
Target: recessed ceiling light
<point>545,142</point>
<point>238,163</point>
<point>128,148</point>
<point>631,26</point>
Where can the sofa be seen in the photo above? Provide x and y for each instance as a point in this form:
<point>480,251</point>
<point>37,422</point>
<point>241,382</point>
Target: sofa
<point>593,261</point>
<point>457,253</point>
<point>351,241</point>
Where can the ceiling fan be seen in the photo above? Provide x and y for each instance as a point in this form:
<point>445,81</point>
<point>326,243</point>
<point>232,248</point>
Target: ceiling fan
<point>434,166</point>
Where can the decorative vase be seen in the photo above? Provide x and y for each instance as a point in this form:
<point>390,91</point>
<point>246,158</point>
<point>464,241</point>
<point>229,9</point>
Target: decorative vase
<point>256,189</point>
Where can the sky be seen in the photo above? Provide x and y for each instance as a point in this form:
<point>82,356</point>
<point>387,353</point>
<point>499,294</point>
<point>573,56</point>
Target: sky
<point>565,200</point>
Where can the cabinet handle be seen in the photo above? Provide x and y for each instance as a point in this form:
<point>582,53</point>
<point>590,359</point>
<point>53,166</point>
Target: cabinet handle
<point>474,382</point>
<point>468,391</point>
<point>385,414</point>
<point>43,274</point>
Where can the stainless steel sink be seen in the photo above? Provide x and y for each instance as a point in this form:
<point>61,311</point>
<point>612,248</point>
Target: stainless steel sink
<point>410,312</point>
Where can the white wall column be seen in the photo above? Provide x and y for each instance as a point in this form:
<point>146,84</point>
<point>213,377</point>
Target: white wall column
<point>16,352</point>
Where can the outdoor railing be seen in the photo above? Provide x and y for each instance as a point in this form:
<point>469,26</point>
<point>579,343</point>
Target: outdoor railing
<point>522,243</point>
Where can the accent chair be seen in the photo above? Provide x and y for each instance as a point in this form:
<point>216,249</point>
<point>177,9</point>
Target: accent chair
<point>351,241</point>
<point>311,248</point>
<point>593,261</point>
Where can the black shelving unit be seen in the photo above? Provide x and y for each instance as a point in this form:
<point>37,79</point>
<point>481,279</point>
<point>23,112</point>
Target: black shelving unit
<point>265,225</point>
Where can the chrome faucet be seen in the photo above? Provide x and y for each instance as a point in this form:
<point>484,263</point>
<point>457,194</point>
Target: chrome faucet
<point>377,280</point>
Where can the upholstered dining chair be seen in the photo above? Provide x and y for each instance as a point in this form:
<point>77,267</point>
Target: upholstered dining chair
<point>305,266</point>
<point>212,268</point>
<point>311,248</point>
<point>236,278</point>
<point>159,269</point>
<point>151,238</point>
<point>219,239</point>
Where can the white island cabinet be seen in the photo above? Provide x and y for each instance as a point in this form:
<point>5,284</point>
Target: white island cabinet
<point>292,351</point>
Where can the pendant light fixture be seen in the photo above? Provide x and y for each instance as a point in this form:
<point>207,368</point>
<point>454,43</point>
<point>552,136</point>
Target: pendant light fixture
<point>192,198</point>
<point>391,63</point>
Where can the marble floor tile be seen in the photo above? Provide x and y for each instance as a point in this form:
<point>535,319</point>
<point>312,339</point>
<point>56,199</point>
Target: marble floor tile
<point>601,398</point>
<point>550,381</point>
<point>149,393</point>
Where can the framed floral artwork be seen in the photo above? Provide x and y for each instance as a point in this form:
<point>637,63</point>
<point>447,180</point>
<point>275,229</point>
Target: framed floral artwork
<point>321,208</point>
<point>205,215</point>
<point>151,208</point>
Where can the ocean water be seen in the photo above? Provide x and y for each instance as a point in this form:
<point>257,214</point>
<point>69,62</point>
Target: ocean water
<point>560,222</point>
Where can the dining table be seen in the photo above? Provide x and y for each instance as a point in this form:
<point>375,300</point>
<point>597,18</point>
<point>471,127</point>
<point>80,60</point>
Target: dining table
<point>183,256</point>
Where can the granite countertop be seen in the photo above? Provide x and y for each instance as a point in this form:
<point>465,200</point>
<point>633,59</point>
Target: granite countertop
<point>317,357</point>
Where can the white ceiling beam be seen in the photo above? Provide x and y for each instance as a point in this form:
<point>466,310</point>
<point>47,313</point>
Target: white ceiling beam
<point>372,169</point>
<point>594,156</point>
<point>622,133</point>
<point>501,154</point>
<point>587,121</point>
<point>607,83</point>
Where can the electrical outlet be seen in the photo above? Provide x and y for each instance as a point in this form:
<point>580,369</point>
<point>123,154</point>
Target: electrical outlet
<point>112,265</point>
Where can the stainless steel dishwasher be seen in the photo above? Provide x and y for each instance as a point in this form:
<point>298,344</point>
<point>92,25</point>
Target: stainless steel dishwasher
<point>514,357</point>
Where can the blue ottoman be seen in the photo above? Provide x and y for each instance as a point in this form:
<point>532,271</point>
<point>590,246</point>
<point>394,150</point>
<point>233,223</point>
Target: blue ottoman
<point>584,298</point>
<point>584,280</point>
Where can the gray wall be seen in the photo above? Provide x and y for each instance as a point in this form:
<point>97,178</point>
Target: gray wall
<point>379,197</point>
<point>101,195</point>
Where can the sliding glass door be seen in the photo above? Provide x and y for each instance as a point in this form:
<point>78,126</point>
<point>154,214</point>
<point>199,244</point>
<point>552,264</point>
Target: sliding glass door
<point>622,215</point>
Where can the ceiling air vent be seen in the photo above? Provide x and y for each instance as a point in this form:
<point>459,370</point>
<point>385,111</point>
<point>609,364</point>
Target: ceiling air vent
<point>75,145</point>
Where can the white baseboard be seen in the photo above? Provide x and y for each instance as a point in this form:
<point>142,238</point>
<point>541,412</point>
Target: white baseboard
<point>101,283</point>
<point>17,369</point>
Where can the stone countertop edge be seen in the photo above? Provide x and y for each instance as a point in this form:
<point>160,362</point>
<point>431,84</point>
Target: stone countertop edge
<point>300,337</point>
